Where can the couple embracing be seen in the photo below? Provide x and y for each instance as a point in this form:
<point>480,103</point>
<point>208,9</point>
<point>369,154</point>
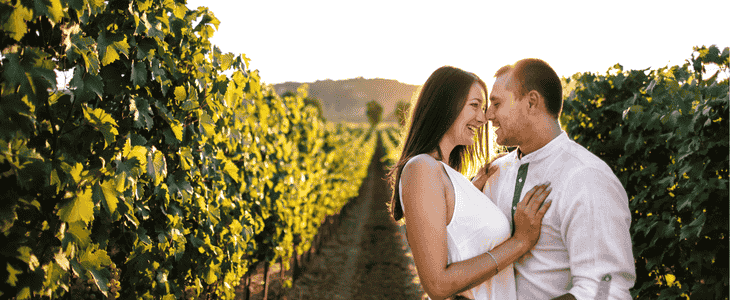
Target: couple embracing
<point>549,220</point>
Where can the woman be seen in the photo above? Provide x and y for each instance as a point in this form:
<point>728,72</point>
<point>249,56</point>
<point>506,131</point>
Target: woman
<point>460,240</point>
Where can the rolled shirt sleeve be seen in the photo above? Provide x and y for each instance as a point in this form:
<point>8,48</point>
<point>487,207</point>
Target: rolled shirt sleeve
<point>595,228</point>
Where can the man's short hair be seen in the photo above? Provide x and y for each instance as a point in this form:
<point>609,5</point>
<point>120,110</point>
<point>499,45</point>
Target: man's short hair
<point>535,74</point>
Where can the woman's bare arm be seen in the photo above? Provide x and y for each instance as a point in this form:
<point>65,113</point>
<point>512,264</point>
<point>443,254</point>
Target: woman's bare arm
<point>425,212</point>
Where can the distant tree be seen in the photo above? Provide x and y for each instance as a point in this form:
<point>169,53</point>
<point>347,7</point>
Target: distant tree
<point>317,104</point>
<point>401,112</point>
<point>374,112</point>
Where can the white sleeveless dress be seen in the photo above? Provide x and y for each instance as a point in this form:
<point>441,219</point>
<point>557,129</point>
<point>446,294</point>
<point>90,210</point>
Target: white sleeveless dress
<point>476,227</point>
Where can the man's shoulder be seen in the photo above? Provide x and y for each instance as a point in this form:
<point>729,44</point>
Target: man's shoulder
<point>580,158</point>
<point>578,164</point>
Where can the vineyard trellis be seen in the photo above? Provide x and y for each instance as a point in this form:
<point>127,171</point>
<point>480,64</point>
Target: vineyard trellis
<point>153,173</point>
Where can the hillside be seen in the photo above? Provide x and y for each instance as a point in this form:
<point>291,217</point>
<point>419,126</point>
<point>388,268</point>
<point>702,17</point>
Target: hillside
<point>344,100</point>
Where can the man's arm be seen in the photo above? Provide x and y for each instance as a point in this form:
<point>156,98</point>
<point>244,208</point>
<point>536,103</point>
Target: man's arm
<point>595,227</point>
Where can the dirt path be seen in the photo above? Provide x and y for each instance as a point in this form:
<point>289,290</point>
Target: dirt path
<point>367,258</point>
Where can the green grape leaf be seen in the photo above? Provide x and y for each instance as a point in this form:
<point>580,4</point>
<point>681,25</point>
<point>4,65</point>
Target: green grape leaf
<point>231,170</point>
<point>94,83</point>
<point>94,258</point>
<point>170,138</point>
<point>186,158</point>
<point>82,46</point>
<point>159,74</point>
<point>95,261</point>
<point>210,276</point>
<point>155,31</point>
<point>16,26</point>
<point>177,130</point>
<point>61,260</point>
<point>207,126</point>
<point>12,275</point>
<point>110,47</point>
<point>139,74</point>
<point>226,60</point>
<point>76,4</point>
<point>126,173</point>
<point>179,10</point>
<point>178,183</point>
<point>80,234</point>
<point>138,152</point>
<point>102,122</point>
<point>208,17</point>
<point>180,93</point>
<point>27,256</point>
<point>189,105</point>
<point>56,11</point>
<point>107,194</point>
<point>693,229</point>
<point>41,69</point>
<point>97,6</point>
<point>142,236</point>
<point>137,140</point>
<point>108,56</point>
<point>13,73</point>
<point>139,29</point>
<point>54,274</point>
<point>80,208</point>
<point>157,166</point>
<point>144,5</point>
<point>55,181</point>
<point>142,113</point>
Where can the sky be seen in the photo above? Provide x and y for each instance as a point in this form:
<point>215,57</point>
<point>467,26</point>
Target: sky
<point>305,41</point>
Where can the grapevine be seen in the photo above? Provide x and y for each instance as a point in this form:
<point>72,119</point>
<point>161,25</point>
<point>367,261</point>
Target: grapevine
<point>152,172</point>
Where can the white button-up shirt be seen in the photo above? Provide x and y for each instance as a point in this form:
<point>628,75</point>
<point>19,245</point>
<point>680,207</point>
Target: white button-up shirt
<point>585,233</point>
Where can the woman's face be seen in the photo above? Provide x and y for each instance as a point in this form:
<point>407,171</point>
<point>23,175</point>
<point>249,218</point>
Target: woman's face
<point>471,118</point>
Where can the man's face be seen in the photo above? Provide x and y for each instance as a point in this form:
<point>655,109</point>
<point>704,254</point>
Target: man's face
<point>507,112</point>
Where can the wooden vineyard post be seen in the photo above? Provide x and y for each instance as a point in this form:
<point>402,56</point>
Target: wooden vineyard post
<point>281,271</point>
<point>325,232</point>
<point>247,292</point>
<point>266,280</point>
<point>295,266</point>
<point>317,239</point>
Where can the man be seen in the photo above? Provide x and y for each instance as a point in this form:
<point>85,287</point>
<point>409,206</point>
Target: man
<point>584,251</point>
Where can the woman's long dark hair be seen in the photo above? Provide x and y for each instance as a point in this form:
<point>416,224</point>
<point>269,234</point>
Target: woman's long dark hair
<point>439,103</point>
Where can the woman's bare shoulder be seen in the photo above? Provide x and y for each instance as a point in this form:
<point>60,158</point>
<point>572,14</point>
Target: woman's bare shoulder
<point>421,164</point>
<point>421,170</point>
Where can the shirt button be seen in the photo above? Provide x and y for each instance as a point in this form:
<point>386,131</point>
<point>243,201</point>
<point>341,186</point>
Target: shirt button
<point>519,180</point>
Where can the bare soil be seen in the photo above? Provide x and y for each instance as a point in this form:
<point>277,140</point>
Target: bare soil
<point>365,257</point>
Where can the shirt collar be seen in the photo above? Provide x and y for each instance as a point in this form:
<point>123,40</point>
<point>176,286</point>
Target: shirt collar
<point>546,150</point>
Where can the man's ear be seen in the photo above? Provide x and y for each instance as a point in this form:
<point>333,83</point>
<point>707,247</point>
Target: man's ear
<point>533,98</point>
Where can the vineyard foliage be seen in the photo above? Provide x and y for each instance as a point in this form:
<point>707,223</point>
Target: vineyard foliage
<point>665,134</point>
<point>390,135</point>
<point>153,172</point>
